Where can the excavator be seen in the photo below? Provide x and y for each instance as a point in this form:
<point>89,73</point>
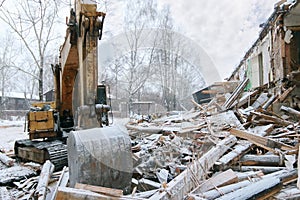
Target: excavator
<point>74,129</point>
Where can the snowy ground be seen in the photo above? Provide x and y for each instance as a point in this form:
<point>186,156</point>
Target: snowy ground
<point>9,132</point>
<point>14,130</point>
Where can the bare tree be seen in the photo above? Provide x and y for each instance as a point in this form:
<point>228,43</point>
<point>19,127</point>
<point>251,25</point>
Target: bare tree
<point>33,23</point>
<point>138,62</point>
<point>7,73</point>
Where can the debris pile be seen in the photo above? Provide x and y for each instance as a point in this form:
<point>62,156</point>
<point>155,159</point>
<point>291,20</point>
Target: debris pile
<point>237,145</point>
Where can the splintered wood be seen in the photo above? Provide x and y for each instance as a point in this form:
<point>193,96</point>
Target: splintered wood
<point>234,148</point>
<point>241,149</point>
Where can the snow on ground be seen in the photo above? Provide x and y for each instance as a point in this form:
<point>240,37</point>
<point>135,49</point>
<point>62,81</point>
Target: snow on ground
<point>10,131</point>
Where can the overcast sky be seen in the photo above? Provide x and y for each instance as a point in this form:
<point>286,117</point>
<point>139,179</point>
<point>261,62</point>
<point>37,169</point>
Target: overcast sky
<point>225,29</point>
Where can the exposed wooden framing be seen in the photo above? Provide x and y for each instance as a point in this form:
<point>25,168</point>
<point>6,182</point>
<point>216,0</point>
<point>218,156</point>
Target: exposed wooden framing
<point>184,183</point>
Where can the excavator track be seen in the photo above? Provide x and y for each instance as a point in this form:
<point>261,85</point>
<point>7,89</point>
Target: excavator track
<point>40,151</point>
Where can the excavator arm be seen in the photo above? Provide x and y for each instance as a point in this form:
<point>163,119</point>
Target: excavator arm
<point>77,85</point>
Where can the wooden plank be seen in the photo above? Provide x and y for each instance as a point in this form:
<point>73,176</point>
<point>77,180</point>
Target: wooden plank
<point>60,182</point>
<point>227,177</point>
<point>298,181</point>
<point>286,93</point>
<point>266,143</point>
<point>65,193</point>
<point>240,148</point>
<point>146,184</point>
<point>273,119</point>
<point>189,178</point>
<point>41,189</point>
<point>259,190</point>
<point>100,189</point>
<point>290,110</point>
<point>235,94</point>
<point>283,175</point>
<point>264,169</point>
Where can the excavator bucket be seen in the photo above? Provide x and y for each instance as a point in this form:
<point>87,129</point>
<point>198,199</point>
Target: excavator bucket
<point>100,156</point>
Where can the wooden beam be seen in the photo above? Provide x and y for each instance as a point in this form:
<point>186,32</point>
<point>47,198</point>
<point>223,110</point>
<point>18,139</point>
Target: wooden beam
<point>62,181</point>
<point>227,177</point>
<point>41,189</point>
<point>290,110</point>
<point>236,93</point>
<point>259,190</point>
<point>262,160</point>
<point>273,119</point>
<point>266,143</point>
<point>66,193</point>
<point>190,178</point>
<point>100,190</point>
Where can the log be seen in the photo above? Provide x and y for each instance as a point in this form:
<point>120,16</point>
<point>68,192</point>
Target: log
<point>41,189</point>
<point>6,160</point>
<point>65,193</point>
<point>290,110</point>
<point>266,143</point>
<point>262,160</point>
<point>227,177</point>
<point>189,178</point>
<point>259,190</point>
<point>100,190</point>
